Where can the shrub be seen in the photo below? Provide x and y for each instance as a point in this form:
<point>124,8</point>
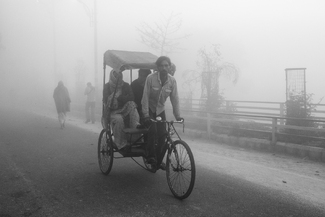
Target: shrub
<point>299,108</point>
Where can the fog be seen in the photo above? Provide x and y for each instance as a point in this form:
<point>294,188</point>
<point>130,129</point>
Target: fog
<point>44,41</point>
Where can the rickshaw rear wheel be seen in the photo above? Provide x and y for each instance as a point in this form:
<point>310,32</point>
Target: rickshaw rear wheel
<point>180,169</point>
<point>105,152</point>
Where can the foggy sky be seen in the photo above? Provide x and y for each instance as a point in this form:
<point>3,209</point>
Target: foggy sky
<point>260,37</point>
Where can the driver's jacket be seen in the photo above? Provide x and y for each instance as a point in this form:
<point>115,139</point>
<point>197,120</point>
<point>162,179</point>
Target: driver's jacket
<point>155,95</point>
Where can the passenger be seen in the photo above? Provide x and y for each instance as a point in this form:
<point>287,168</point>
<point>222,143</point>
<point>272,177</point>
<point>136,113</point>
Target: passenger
<point>172,69</point>
<point>137,88</point>
<point>158,87</point>
<point>120,109</point>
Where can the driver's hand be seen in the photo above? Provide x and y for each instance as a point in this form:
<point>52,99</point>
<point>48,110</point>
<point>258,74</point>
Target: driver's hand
<point>180,119</point>
<point>147,122</point>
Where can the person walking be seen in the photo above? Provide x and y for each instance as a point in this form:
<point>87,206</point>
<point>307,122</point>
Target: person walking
<point>90,103</point>
<point>62,102</point>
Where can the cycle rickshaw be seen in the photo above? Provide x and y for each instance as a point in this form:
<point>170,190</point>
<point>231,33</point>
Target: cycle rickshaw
<point>180,165</point>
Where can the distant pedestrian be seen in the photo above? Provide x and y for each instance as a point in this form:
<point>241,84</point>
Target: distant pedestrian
<point>62,102</point>
<point>90,103</point>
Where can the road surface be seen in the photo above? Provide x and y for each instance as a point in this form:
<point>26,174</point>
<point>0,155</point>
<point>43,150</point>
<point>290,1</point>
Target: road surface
<point>47,171</point>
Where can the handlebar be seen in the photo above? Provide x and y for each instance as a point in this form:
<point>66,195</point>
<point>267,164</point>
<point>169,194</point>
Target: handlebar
<point>165,121</point>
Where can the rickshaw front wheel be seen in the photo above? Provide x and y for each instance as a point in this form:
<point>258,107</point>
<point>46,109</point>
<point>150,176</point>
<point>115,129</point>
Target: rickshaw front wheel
<point>180,169</point>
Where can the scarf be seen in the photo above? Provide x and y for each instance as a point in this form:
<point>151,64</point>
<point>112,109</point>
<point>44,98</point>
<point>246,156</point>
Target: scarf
<point>113,85</point>
<point>113,82</point>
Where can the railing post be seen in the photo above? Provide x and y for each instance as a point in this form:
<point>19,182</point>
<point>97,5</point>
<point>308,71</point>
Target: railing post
<point>281,113</point>
<point>274,131</point>
<point>227,106</point>
<point>209,124</point>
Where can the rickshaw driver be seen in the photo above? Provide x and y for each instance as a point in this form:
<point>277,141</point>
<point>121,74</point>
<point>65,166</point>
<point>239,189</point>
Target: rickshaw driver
<point>158,87</point>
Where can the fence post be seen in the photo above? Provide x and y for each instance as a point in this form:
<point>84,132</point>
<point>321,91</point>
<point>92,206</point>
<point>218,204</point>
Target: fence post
<point>281,113</point>
<point>209,124</point>
<point>227,106</point>
<point>274,131</point>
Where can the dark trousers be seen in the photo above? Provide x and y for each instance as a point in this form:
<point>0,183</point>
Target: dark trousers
<point>157,132</point>
<point>90,111</point>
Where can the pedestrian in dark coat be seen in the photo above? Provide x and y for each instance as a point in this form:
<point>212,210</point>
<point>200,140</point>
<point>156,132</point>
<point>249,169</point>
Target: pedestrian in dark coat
<point>62,102</point>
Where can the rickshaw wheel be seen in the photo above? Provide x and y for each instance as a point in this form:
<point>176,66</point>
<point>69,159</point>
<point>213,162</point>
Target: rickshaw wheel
<point>149,167</point>
<point>180,169</point>
<point>105,152</point>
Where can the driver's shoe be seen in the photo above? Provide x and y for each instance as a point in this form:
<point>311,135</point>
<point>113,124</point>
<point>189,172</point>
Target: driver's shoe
<point>151,160</point>
<point>162,166</point>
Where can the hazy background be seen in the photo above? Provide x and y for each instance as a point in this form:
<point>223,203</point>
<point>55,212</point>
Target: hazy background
<point>260,37</point>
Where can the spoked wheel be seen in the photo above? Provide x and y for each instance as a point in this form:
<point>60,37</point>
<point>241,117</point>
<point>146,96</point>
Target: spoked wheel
<point>180,169</point>
<point>105,152</point>
<point>148,166</point>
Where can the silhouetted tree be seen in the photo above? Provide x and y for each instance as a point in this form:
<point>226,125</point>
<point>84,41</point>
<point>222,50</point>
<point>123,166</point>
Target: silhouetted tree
<point>162,36</point>
<point>212,68</point>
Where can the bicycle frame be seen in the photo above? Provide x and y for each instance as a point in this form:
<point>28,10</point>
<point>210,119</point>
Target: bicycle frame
<point>135,146</point>
<point>169,140</point>
<point>141,143</point>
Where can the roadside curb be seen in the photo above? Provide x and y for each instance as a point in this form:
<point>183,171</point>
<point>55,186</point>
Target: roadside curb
<point>310,152</point>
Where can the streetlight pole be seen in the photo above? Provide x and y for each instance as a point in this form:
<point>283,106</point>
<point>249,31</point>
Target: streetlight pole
<point>93,18</point>
<point>54,40</point>
<point>51,10</point>
<point>95,44</point>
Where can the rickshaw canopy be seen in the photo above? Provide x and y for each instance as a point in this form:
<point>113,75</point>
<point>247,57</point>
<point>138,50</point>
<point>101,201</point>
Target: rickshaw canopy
<point>129,59</point>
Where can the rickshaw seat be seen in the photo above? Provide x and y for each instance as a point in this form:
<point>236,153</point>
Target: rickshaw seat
<point>135,131</point>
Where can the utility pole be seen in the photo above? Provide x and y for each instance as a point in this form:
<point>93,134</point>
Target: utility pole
<point>95,45</point>
<point>54,40</point>
<point>93,21</point>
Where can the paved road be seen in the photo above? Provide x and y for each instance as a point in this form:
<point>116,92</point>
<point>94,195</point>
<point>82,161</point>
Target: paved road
<point>46,171</point>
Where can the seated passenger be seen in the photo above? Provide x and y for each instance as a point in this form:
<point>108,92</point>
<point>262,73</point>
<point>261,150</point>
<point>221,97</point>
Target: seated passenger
<point>172,69</point>
<point>137,88</point>
<point>120,109</point>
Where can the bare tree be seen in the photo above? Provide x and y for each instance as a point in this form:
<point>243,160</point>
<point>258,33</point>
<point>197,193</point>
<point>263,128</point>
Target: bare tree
<point>162,36</point>
<point>211,68</point>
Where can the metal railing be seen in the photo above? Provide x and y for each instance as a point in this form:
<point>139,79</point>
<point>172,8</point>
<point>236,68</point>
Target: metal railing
<point>216,119</point>
<point>253,107</point>
<point>265,117</point>
<point>249,118</point>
